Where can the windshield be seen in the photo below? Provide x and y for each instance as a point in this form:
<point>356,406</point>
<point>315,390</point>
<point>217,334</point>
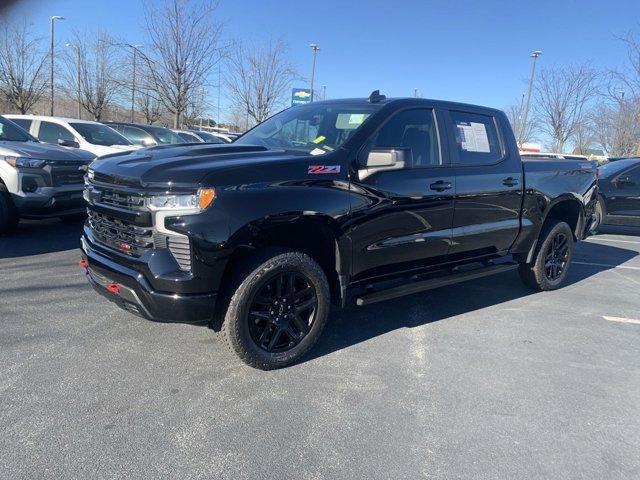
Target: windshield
<point>98,134</point>
<point>10,132</point>
<point>189,138</point>
<point>164,136</point>
<point>314,129</point>
<point>209,137</point>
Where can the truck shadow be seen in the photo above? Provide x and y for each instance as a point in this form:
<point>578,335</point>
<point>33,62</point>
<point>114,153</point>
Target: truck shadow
<point>358,324</point>
<point>35,237</point>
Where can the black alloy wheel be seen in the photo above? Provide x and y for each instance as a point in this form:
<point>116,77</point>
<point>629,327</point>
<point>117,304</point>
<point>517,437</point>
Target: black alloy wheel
<point>282,311</point>
<point>556,258</point>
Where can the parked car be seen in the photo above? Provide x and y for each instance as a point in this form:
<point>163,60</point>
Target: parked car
<point>187,136</point>
<point>38,180</point>
<point>619,197</point>
<point>146,135</point>
<point>208,137</point>
<point>91,136</point>
<point>336,201</point>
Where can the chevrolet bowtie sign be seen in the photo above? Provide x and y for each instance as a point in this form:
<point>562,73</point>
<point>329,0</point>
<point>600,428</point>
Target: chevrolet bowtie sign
<point>300,96</point>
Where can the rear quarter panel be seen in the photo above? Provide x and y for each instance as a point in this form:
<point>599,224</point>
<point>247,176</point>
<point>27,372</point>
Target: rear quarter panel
<point>548,182</point>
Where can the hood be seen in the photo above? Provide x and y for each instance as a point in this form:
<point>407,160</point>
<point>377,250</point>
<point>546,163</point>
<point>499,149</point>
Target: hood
<point>175,166</point>
<point>44,151</point>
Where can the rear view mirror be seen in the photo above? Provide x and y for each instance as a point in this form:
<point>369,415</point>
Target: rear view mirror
<point>383,159</point>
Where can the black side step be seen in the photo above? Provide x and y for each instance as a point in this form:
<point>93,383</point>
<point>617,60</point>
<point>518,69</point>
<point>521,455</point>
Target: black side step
<point>422,285</point>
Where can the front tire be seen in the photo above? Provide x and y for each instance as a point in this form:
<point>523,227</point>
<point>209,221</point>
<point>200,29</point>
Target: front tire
<point>9,216</point>
<point>278,310</point>
<point>552,258</point>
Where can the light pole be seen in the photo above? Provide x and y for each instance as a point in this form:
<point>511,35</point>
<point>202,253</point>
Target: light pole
<point>415,93</point>
<point>134,49</point>
<point>315,49</point>
<point>53,19</point>
<point>219,87</point>
<point>534,55</point>
<point>77,49</point>
<point>324,92</point>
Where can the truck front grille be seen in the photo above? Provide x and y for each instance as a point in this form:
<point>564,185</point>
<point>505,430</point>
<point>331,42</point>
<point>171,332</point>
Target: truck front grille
<point>61,177</point>
<point>122,200</point>
<point>120,235</point>
<point>129,238</point>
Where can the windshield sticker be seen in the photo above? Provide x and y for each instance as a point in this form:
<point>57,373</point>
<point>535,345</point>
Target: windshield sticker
<point>473,137</point>
<point>350,121</point>
<point>319,139</point>
<point>317,151</point>
<point>318,169</point>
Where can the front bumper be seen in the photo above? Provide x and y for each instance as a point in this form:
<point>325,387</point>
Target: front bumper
<point>136,295</point>
<point>50,202</point>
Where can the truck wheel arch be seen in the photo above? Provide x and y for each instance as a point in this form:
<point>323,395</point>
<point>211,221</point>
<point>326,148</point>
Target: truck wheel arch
<point>567,209</point>
<point>316,235</point>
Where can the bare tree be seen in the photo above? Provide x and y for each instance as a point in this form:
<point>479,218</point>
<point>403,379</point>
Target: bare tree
<point>94,63</point>
<point>583,137</point>
<point>23,74</point>
<point>515,114</point>
<point>149,106</point>
<point>183,45</point>
<point>196,108</point>
<point>623,91</point>
<point>563,96</point>
<point>258,79</point>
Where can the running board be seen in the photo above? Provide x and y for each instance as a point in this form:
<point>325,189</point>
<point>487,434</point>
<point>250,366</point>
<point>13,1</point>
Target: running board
<point>422,285</point>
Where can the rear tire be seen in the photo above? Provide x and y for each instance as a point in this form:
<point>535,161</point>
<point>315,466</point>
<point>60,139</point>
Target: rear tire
<point>599,211</point>
<point>552,257</point>
<point>9,216</point>
<point>278,309</point>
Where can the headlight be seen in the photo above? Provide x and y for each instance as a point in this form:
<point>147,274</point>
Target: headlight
<point>197,202</point>
<point>23,162</point>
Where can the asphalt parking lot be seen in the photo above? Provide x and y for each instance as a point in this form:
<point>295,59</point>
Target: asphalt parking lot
<point>481,380</point>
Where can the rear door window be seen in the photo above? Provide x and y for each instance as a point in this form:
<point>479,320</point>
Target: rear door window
<point>52,132</point>
<point>476,138</point>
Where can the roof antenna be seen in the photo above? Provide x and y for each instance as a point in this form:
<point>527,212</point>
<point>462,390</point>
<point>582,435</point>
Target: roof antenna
<point>375,97</point>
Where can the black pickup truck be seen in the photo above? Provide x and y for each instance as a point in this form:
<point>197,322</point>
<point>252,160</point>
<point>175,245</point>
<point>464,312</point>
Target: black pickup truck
<point>335,202</point>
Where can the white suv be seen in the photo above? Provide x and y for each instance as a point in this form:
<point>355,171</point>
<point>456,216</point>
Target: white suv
<point>93,137</point>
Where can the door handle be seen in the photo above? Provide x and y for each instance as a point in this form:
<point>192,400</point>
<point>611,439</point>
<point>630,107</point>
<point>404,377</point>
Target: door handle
<point>510,182</point>
<point>440,186</point>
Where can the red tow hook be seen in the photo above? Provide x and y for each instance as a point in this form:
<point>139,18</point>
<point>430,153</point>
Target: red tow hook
<point>82,263</point>
<point>113,287</point>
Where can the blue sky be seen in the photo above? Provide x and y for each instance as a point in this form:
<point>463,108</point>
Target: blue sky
<point>470,51</point>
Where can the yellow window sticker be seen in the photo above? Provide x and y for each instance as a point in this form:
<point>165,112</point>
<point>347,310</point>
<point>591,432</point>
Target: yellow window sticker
<point>319,139</point>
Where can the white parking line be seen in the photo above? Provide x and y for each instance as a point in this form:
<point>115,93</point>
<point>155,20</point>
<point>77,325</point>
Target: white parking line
<point>613,240</point>
<point>606,265</point>
<point>621,319</point>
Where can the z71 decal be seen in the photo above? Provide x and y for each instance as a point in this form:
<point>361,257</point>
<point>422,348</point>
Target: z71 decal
<point>316,169</point>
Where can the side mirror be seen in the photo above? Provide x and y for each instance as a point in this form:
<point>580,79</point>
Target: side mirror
<point>379,160</point>
<point>68,143</point>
